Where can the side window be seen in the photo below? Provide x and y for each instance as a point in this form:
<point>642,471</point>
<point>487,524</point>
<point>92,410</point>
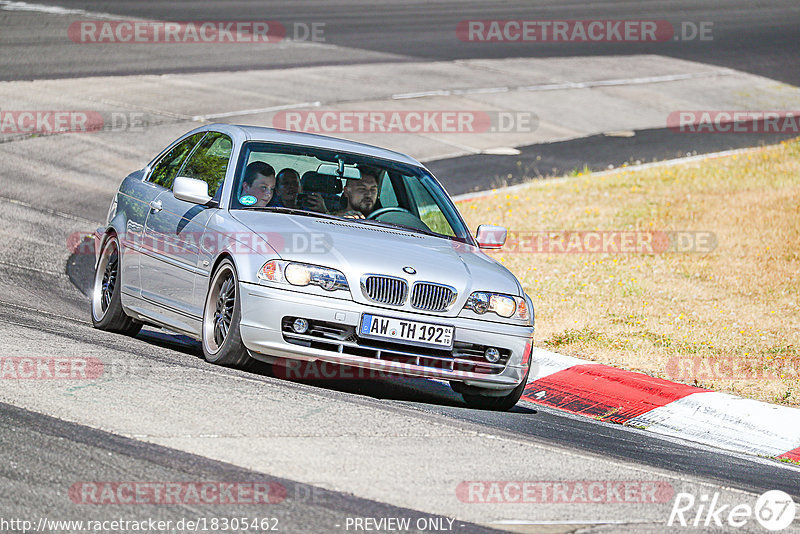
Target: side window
<point>429,211</point>
<point>165,170</point>
<point>210,161</point>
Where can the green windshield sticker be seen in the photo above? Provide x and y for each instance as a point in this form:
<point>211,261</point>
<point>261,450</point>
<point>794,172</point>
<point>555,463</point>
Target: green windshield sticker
<point>248,200</point>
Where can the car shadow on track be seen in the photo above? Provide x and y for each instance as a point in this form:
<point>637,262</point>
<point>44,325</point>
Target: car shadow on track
<point>379,385</point>
<point>358,381</point>
<point>341,378</point>
<point>383,386</point>
<point>80,265</point>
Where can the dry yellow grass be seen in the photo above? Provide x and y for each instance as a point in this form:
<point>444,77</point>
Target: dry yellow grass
<point>728,320</point>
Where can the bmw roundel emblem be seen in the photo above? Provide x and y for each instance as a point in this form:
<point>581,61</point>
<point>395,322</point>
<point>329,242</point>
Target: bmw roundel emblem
<point>409,270</point>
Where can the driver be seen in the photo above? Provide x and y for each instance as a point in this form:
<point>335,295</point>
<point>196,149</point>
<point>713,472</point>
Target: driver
<point>361,194</point>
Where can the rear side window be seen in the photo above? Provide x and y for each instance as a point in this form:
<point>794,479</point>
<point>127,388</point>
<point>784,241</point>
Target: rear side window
<point>209,162</point>
<point>165,170</point>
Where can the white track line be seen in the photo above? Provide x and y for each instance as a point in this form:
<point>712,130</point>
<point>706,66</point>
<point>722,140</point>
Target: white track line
<point>566,85</point>
<point>315,104</point>
<point>5,5</point>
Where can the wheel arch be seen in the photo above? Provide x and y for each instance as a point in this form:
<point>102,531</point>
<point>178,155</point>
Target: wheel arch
<point>219,259</point>
<point>102,239</point>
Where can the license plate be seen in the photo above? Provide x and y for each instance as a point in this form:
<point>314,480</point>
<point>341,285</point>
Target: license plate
<point>414,332</point>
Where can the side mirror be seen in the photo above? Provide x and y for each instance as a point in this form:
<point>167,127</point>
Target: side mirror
<point>190,190</point>
<point>491,237</point>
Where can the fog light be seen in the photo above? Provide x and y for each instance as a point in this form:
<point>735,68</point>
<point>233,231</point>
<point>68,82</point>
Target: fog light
<point>300,326</point>
<point>492,355</point>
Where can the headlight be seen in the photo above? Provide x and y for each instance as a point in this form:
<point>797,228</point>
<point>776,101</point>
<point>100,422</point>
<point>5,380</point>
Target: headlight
<point>303,274</point>
<point>298,274</point>
<point>503,305</point>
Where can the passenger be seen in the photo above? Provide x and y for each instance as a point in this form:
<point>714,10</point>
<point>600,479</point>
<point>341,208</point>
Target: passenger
<point>361,195</point>
<point>315,202</point>
<point>312,201</point>
<point>259,181</point>
<point>287,186</point>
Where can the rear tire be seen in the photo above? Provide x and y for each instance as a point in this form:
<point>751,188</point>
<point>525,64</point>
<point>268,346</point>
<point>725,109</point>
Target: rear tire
<point>222,341</point>
<point>106,301</point>
<point>500,404</point>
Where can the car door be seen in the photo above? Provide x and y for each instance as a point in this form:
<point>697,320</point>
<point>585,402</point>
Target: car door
<point>135,198</point>
<point>175,228</point>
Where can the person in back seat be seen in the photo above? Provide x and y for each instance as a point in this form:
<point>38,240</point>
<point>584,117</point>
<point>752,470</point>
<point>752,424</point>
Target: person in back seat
<point>287,187</point>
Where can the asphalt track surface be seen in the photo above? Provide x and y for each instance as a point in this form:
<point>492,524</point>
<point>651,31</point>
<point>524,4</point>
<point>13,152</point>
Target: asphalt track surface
<point>760,38</point>
<point>57,453</point>
<point>41,455</point>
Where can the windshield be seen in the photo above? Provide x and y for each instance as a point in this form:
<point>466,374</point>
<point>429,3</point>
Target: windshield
<point>363,189</point>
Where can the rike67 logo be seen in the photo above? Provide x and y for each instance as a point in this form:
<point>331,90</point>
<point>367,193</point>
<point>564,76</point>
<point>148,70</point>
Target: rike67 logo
<point>774,510</point>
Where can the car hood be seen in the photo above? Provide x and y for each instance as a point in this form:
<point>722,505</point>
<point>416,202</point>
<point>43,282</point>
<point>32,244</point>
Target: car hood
<point>357,249</point>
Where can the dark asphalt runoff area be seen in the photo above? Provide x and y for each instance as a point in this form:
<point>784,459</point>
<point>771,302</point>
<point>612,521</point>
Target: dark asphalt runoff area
<point>465,174</point>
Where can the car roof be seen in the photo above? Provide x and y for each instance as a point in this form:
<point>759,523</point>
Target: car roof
<point>260,133</point>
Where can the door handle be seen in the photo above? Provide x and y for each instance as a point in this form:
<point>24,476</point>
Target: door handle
<point>155,205</point>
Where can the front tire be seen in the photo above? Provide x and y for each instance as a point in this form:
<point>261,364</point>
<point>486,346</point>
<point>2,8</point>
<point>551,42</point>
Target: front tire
<point>500,404</point>
<point>106,301</point>
<point>222,341</point>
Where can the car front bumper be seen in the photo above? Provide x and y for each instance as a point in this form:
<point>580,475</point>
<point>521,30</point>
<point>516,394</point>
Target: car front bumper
<point>263,333</point>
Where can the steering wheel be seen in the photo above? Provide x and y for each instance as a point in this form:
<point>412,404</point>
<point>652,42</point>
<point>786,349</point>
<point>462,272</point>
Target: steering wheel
<point>377,213</point>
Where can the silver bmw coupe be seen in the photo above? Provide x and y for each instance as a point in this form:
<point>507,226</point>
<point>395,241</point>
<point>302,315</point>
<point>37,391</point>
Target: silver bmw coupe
<point>284,247</point>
